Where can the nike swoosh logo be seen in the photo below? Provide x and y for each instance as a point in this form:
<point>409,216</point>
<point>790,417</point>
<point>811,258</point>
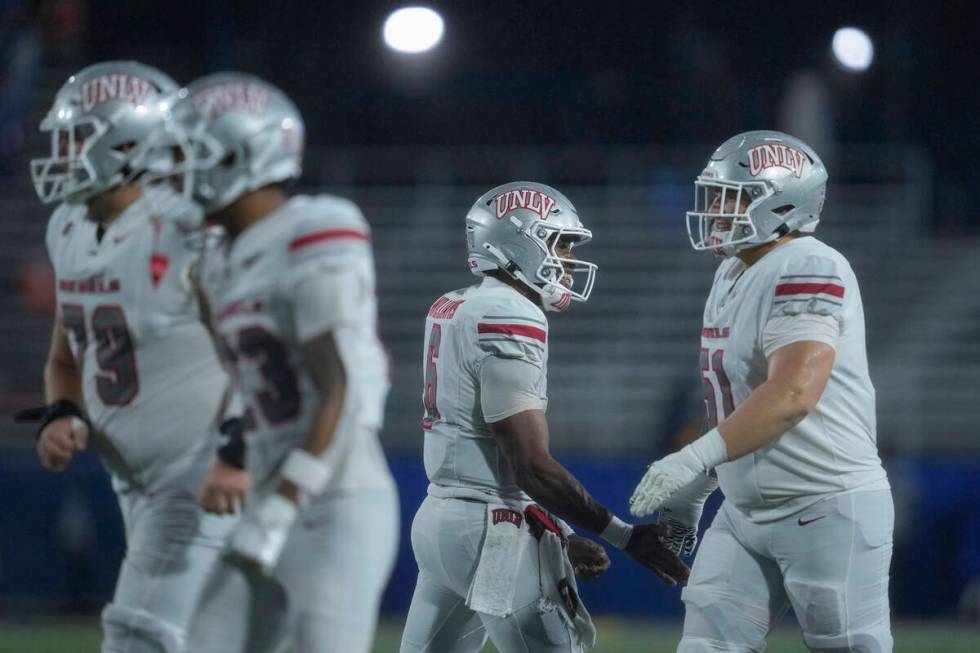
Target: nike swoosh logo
<point>804,522</point>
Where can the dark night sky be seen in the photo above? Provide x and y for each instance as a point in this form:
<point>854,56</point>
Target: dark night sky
<point>576,72</point>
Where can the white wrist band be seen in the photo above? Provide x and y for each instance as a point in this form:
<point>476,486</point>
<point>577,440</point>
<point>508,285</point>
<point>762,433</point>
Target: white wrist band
<point>710,449</point>
<point>306,471</point>
<point>617,533</point>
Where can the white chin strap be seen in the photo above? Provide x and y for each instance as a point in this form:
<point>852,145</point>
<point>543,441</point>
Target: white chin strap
<point>554,298</point>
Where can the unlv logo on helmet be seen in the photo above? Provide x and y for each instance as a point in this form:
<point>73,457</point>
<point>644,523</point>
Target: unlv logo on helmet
<point>231,96</point>
<point>774,155</point>
<point>114,87</point>
<point>533,200</point>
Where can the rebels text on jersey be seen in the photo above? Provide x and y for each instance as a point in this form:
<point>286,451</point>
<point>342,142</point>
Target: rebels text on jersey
<point>305,270</point>
<point>795,291</point>
<point>152,382</point>
<point>464,330</point>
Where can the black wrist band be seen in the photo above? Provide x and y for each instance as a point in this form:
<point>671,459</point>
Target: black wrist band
<point>44,415</point>
<point>232,452</point>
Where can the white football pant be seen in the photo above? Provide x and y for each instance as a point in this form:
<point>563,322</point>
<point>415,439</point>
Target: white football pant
<point>171,546</point>
<point>446,538</point>
<point>325,592</point>
<point>830,562</point>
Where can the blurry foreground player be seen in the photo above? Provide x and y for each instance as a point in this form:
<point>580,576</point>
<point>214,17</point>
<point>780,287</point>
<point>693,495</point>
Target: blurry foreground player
<point>131,366</point>
<point>494,556</point>
<point>292,297</point>
<point>807,519</point>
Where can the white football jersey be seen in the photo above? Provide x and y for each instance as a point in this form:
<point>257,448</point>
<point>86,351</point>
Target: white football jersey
<point>834,449</point>
<point>465,328</point>
<point>151,378</point>
<point>304,270</point>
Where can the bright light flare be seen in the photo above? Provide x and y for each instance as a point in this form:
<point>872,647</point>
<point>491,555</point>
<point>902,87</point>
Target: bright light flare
<point>853,49</point>
<point>413,29</point>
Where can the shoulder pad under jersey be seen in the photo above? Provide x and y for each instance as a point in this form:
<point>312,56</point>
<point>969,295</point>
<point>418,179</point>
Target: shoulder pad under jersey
<point>510,326</point>
<point>814,283</point>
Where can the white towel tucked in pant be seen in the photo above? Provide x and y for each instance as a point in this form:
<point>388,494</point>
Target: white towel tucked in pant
<point>504,547</point>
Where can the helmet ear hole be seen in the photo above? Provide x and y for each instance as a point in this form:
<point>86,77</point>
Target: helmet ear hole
<point>785,208</point>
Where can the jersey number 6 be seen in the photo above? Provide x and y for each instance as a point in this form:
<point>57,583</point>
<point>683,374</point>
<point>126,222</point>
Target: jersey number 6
<point>431,377</point>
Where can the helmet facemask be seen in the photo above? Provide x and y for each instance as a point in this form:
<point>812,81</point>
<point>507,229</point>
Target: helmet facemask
<point>561,280</point>
<point>558,279</point>
<point>69,171</point>
<point>722,221</point>
<point>217,177</point>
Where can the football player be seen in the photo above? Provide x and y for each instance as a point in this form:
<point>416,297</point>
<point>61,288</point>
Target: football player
<point>807,518</point>
<point>487,446</point>
<point>292,297</point>
<point>131,367</point>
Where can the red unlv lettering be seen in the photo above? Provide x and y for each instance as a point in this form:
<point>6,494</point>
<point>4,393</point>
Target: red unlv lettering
<point>94,286</point>
<point>532,200</point>
<point>219,99</point>
<point>506,515</point>
<point>714,332</point>
<point>114,87</point>
<point>776,155</point>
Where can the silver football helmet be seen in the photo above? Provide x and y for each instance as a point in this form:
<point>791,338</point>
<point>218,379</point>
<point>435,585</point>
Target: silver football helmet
<point>758,186</point>
<point>515,228</point>
<point>101,123</point>
<point>242,133</point>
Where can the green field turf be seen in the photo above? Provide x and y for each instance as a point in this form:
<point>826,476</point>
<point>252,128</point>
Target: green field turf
<point>82,636</point>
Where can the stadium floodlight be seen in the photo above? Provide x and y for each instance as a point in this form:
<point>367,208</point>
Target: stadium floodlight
<point>413,29</point>
<point>853,49</point>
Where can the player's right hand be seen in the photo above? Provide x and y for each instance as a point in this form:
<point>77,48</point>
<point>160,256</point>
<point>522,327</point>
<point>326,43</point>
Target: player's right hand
<point>682,513</point>
<point>683,538</point>
<point>225,489</point>
<point>649,545</point>
<point>588,558</point>
<point>60,441</point>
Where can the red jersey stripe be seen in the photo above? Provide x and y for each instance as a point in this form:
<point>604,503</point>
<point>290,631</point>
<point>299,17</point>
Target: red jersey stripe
<point>810,289</point>
<point>514,330</point>
<point>321,236</point>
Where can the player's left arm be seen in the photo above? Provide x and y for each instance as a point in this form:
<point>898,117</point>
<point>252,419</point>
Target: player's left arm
<point>322,358</point>
<point>799,339</point>
<point>797,376</point>
<point>260,536</point>
<point>324,298</point>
